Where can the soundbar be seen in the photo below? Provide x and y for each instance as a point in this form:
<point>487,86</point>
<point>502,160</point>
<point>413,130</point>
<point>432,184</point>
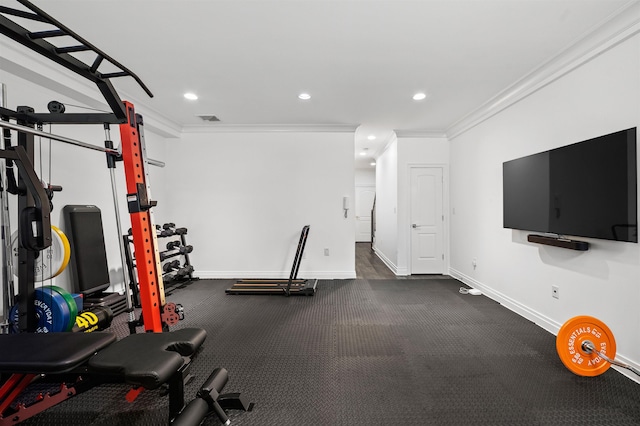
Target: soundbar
<point>558,242</point>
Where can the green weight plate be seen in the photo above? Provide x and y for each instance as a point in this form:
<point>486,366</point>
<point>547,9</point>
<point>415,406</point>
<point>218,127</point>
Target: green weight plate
<point>73,307</point>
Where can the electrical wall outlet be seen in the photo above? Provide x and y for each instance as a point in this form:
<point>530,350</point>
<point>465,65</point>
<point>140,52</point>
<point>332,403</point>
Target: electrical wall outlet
<point>555,292</point>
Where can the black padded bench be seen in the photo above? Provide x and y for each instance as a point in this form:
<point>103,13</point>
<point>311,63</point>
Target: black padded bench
<point>49,353</point>
<point>148,360</point>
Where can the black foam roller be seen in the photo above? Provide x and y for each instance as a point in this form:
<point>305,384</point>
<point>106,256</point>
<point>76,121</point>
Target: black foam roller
<point>193,413</point>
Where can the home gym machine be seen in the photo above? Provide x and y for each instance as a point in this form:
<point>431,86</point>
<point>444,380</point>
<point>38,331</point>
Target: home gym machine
<point>80,361</point>
<point>132,152</point>
<point>291,286</point>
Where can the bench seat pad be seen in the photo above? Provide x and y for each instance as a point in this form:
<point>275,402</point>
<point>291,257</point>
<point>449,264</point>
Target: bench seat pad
<point>34,353</point>
<point>148,359</point>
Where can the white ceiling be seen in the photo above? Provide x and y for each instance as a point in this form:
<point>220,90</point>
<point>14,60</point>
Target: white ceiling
<point>361,60</point>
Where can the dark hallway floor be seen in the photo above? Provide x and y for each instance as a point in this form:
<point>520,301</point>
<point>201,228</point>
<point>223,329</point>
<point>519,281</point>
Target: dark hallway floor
<point>370,267</point>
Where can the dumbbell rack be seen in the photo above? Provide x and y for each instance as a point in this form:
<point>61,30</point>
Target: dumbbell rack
<point>172,279</point>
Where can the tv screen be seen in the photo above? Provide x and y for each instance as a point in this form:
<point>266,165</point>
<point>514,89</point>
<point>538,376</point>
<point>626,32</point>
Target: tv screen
<point>586,189</point>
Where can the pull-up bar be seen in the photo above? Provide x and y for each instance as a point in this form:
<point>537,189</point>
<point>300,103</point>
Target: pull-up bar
<point>65,139</point>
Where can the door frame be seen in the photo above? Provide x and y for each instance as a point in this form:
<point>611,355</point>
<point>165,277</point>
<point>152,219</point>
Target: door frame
<point>445,211</point>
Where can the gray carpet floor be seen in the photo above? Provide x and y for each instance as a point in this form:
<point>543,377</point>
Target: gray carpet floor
<point>371,352</point>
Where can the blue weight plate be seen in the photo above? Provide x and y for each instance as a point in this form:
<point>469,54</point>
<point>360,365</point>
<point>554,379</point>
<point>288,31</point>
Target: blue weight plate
<point>51,310</point>
<point>43,325</point>
<point>54,312</point>
<point>47,322</point>
<point>13,319</point>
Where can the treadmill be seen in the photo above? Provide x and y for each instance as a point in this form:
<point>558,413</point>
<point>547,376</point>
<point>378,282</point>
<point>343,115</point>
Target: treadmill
<point>286,287</point>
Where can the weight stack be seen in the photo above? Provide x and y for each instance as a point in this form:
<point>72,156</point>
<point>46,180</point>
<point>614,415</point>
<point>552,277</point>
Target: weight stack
<point>115,301</point>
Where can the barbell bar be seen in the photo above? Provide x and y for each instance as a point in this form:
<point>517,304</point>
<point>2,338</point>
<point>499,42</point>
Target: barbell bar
<point>59,138</point>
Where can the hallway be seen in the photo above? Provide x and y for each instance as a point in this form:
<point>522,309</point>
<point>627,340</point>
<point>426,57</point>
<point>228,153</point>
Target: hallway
<point>370,267</point>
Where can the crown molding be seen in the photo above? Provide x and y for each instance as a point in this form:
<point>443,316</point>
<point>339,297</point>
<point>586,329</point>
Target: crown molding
<point>614,29</point>
<point>420,133</point>
<point>268,128</point>
<point>393,138</point>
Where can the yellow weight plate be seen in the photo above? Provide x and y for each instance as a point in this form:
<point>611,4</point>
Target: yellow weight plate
<point>65,250</point>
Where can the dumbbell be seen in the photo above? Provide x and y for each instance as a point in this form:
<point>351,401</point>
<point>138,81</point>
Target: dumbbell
<point>185,270</point>
<point>175,267</point>
<point>171,266</point>
<point>164,255</point>
<point>173,244</point>
<point>163,232</point>
<point>185,249</point>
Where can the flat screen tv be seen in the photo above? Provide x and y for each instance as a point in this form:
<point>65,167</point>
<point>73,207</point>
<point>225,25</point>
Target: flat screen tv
<point>586,189</point>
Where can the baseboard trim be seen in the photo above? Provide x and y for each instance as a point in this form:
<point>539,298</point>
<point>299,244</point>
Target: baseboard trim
<point>321,275</point>
<point>536,317</point>
<point>386,261</point>
<point>541,320</point>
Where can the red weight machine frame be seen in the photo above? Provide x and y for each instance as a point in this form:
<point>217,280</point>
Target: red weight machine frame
<point>145,241</point>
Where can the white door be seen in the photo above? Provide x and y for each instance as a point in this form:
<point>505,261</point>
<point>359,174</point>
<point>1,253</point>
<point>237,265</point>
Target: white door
<point>427,240</point>
<point>364,203</point>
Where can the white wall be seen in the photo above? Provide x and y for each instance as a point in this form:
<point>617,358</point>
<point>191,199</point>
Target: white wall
<point>365,176</point>
<point>418,151</point>
<point>386,238</point>
<point>599,97</point>
<point>246,196</point>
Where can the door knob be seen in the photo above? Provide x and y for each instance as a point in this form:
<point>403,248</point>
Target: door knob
<point>414,225</point>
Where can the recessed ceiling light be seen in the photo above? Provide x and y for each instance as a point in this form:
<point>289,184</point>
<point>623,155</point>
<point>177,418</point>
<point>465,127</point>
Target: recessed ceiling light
<point>190,96</point>
<point>363,153</point>
<point>371,137</point>
<point>373,164</point>
<point>304,96</point>
<point>419,96</point>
